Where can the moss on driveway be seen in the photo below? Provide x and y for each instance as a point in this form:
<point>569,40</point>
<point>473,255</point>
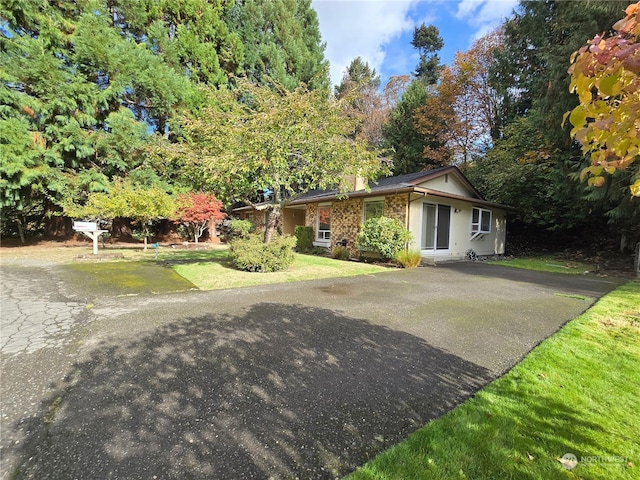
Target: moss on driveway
<point>123,278</point>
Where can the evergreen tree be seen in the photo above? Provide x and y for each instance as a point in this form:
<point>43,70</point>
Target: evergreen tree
<point>403,141</point>
<point>427,40</point>
<point>530,76</point>
<point>282,42</point>
<point>359,93</point>
<point>530,73</point>
<point>406,143</point>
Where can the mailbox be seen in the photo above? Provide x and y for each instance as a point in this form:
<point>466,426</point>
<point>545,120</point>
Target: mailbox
<point>85,226</point>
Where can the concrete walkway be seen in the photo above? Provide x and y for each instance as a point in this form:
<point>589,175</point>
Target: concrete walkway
<point>304,380</point>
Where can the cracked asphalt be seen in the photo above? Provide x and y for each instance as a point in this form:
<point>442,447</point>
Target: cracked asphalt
<point>304,380</point>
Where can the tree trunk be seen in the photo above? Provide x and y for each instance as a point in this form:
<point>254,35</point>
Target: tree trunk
<point>20,230</point>
<point>57,227</point>
<point>121,229</point>
<point>272,223</point>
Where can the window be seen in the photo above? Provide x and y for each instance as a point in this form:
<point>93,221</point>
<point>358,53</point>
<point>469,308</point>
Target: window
<point>373,209</point>
<point>481,220</point>
<point>324,223</point>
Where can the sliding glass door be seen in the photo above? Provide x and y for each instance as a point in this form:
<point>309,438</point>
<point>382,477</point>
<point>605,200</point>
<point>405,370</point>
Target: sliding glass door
<point>436,226</point>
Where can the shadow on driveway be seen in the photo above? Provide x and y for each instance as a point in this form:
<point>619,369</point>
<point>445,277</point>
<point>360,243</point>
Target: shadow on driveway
<point>278,391</point>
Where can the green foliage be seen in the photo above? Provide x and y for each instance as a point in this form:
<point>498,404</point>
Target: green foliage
<point>340,253</point>
<point>304,238</point>
<point>253,255</point>
<point>254,139</point>
<point>125,199</point>
<point>427,40</point>
<point>526,172</point>
<point>282,42</point>
<point>401,137</point>
<point>531,72</point>
<point>604,75</point>
<point>408,258</point>
<point>357,75</point>
<point>383,235</point>
<point>83,83</point>
<point>240,228</point>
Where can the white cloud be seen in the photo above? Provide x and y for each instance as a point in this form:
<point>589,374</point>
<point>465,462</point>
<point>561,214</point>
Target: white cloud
<point>360,29</point>
<point>367,28</point>
<point>484,15</point>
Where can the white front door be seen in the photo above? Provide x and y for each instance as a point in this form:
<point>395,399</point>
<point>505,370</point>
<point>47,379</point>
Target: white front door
<point>436,227</point>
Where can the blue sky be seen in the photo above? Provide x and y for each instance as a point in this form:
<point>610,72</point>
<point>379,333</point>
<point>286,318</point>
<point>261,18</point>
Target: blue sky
<point>380,31</point>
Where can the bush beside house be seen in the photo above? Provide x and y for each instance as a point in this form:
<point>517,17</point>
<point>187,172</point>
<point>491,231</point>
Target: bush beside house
<point>251,254</point>
<point>385,236</point>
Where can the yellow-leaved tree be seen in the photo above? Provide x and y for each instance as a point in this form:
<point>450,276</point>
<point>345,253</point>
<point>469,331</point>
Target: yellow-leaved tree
<point>605,74</point>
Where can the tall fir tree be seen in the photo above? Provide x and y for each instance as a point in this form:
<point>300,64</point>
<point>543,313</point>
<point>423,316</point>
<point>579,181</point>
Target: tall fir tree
<point>406,144</point>
<point>282,42</point>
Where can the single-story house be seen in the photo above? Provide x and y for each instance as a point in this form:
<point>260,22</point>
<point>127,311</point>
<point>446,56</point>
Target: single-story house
<point>443,210</point>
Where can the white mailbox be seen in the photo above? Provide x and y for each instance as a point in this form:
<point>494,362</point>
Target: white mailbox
<point>91,230</point>
<point>85,226</point>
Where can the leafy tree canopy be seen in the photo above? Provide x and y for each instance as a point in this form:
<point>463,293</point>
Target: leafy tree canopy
<point>252,143</point>
<point>605,74</point>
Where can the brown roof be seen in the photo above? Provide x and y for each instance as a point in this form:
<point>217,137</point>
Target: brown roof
<point>408,183</point>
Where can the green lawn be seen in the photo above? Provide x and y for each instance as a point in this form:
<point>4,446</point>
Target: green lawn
<point>575,393</point>
<point>212,270</point>
<point>548,264</point>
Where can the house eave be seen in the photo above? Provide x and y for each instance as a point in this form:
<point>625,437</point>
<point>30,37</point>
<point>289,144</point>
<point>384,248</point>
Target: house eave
<point>395,191</point>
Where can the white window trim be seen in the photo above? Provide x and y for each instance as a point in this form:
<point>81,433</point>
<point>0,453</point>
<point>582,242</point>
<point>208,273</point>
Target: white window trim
<point>433,252</point>
<point>476,227</point>
<point>322,242</point>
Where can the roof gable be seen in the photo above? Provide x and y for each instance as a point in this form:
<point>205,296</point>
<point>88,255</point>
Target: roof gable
<point>445,179</point>
<point>448,181</point>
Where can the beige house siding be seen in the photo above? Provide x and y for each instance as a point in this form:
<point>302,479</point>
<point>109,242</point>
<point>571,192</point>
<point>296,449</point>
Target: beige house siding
<point>447,183</point>
<point>460,238</point>
<point>291,217</point>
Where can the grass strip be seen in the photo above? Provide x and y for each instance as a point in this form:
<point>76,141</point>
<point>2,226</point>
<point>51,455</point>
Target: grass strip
<point>548,264</point>
<point>576,394</point>
<point>219,274</point>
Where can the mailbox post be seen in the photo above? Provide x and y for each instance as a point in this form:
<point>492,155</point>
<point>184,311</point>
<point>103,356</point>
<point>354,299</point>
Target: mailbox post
<point>91,230</point>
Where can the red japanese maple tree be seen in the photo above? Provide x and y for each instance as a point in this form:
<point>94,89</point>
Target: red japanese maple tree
<point>197,211</point>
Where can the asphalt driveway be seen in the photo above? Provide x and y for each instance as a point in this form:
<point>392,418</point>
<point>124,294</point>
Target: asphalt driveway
<point>304,380</point>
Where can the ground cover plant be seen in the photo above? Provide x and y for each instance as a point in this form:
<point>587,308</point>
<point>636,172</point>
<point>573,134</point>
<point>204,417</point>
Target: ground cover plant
<point>125,278</point>
<point>548,264</point>
<point>575,394</point>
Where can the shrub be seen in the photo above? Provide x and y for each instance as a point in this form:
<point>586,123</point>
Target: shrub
<point>340,253</point>
<point>409,258</point>
<point>384,235</point>
<point>240,228</point>
<point>253,255</point>
<point>304,238</point>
